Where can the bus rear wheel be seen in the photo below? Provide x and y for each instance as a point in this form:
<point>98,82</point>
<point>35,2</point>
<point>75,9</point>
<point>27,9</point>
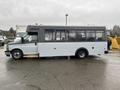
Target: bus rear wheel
<point>82,54</point>
<point>17,54</point>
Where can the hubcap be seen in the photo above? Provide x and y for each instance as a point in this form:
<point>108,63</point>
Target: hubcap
<point>17,55</point>
<point>81,54</point>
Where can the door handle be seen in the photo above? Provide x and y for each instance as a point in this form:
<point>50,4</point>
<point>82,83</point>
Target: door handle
<point>54,48</point>
<point>92,47</point>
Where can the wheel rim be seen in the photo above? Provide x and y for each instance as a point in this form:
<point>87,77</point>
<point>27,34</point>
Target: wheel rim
<point>17,55</point>
<point>82,54</point>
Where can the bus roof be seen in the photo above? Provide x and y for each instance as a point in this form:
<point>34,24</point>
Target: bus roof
<point>31,28</point>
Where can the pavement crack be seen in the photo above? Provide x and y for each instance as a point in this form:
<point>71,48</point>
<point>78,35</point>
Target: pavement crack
<point>58,82</point>
<point>25,76</point>
<point>34,86</point>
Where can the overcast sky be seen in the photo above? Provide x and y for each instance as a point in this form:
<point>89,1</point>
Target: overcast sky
<point>52,12</point>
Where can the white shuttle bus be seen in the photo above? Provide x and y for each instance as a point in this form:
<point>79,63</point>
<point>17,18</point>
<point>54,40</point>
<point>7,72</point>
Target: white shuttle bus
<point>50,41</point>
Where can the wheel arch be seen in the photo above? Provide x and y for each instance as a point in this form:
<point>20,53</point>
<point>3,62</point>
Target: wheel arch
<point>16,49</point>
<point>82,48</point>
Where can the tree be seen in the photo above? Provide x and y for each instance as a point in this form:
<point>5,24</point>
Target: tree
<point>12,31</point>
<point>116,30</point>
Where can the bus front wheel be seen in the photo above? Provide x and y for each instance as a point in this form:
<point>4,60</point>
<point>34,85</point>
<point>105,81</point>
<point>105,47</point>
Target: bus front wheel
<point>17,54</point>
<point>82,54</point>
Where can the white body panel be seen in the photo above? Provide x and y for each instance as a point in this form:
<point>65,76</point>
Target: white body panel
<point>69,48</point>
<point>28,48</point>
<point>49,49</point>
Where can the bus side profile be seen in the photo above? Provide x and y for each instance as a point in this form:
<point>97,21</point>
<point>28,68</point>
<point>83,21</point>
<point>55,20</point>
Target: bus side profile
<point>50,41</point>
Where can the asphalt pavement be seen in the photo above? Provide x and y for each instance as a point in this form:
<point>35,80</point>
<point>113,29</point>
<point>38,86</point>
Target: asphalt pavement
<point>59,73</point>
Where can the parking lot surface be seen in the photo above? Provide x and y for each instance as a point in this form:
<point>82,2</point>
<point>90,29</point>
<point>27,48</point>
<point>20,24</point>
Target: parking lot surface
<point>92,73</point>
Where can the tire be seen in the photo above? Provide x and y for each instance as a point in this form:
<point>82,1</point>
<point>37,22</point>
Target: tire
<point>17,54</point>
<point>82,54</point>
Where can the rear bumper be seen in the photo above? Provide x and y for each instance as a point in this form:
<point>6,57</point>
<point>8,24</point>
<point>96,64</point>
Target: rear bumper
<point>7,53</point>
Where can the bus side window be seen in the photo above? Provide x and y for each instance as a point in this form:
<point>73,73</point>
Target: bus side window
<point>72,36</point>
<point>80,36</point>
<point>60,35</point>
<point>99,35</point>
<point>67,35</point>
<point>63,36</point>
<point>49,35</point>
<point>90,35</point>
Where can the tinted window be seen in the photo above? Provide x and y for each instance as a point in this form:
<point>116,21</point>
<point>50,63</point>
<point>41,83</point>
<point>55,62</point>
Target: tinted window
<point>100,36</point>
<point>49,35</point>
<point>77,35</point>
<point>72,35</point>
<point>90,35</point>
<point>55,35</point>
<point>60,35</point>
<point>80,36</point>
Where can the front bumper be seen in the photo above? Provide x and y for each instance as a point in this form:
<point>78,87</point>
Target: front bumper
<point>7,53</point>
